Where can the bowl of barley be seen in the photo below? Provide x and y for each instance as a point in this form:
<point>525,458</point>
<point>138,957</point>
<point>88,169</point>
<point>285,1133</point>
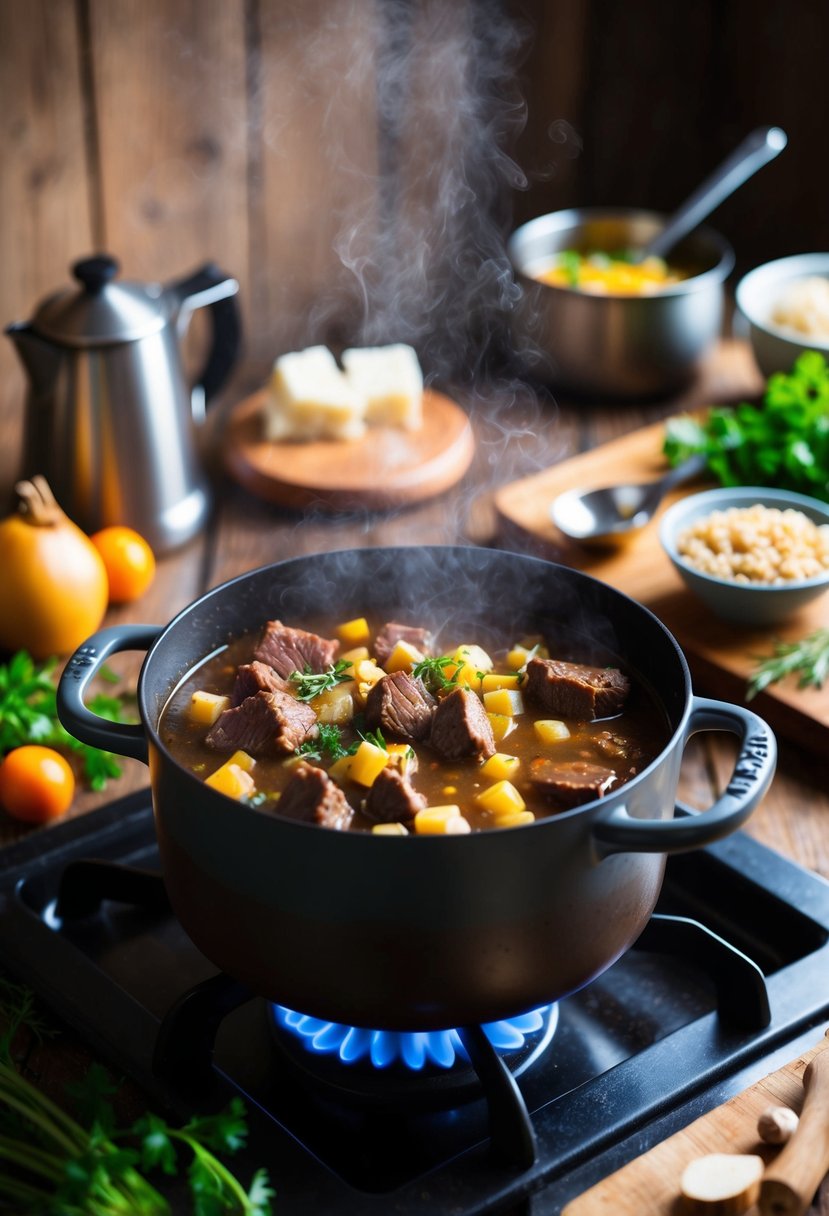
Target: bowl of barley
<point>754,556</point>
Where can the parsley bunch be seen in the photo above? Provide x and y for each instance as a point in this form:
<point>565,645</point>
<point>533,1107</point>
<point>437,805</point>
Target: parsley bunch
<point>783,443</point>
<point>55,1165</point>
<point>28,714</point>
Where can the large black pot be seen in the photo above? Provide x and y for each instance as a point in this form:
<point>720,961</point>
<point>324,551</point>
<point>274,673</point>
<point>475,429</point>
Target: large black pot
<point>419,932</point>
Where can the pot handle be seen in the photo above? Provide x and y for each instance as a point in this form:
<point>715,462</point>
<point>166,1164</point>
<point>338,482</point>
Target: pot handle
<point>121,737</point>
<point>621,833</point>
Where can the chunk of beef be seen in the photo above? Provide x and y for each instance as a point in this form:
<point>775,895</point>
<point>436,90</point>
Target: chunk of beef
<point>570,783</point>
<point>392,799</point>
<point>400,706</point>
<point>393,632</point>
<point>574,690</point>
<point>265,724</point>
<point>626,752</point>
<point>287,649</point>
<point>460,727</point>
<point>255,677</point>
<point>312,795</point>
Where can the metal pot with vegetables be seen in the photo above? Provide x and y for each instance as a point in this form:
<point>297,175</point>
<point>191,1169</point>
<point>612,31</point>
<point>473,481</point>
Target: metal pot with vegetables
<point>417,787</point>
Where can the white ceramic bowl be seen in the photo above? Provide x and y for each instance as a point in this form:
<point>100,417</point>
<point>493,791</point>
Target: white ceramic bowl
<point>776,348</point>
<point>742,603</point>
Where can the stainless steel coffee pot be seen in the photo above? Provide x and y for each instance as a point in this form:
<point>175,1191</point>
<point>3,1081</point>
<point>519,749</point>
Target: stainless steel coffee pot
<point>110,419</point>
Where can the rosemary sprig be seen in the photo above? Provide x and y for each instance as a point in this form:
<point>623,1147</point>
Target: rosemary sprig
<point>807,658</point>
<point>310,684</point>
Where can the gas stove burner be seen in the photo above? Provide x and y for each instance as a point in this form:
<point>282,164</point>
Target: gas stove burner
<point>418,1050</point>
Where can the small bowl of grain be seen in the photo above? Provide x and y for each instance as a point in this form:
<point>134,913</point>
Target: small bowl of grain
<point>785,304</point>
<point>754,556</point>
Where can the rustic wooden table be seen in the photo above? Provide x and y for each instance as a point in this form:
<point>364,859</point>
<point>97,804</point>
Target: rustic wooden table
<point>516,434</point>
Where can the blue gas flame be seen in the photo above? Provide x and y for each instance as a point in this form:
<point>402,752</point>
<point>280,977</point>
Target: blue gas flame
<point>416,1050</point>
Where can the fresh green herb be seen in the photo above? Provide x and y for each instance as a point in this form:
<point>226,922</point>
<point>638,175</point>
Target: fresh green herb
<point>808,659</point>
<point>328,742</point>
<point>569,260</point>
<point>55,1164</point>
<point>375,738</point>
<point>433,673</point>
<point>310,684</point>
<point>783,443</point>
<point>28,714</point>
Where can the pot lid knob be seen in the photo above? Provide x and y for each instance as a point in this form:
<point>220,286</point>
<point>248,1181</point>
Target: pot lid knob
<point>95,272</point>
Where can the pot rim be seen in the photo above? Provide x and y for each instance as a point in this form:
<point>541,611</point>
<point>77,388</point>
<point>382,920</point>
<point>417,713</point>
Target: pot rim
<point>436,841</point>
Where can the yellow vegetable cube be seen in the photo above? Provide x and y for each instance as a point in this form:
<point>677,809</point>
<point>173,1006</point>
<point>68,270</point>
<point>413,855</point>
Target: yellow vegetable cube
<point>355,655</point>
<point>366,673</point>
<point>504,701</point>
<point>493,681</point>
<point>340,769</point>
<point>433,820</point>
<point>550,730</point>
<point>389,829</point>
<point>335,704</point>
<point>501,767</point>
<point>502,725</point>
<point>458,826</point>
<point>468,663</point>
<point>205,707</point>
<point>232,780</point>
<point>367,762</point>
<point>244,761</point>
<point>354,633</point>
<point>403,757</point>
<point>502,798</point>
<point>403,657</point>
<point>515,819</point>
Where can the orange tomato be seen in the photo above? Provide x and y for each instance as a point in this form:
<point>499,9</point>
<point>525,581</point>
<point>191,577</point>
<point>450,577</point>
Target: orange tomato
<point>36,784</point>
<point>129,561</point>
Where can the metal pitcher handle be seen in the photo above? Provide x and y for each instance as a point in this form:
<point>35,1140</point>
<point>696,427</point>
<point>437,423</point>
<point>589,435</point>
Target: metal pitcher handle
<point>209,287</point>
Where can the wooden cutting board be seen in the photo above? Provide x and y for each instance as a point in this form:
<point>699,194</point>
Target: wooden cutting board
<point>721,655</point>
<point>387,467</point>
<point>650,1183</point>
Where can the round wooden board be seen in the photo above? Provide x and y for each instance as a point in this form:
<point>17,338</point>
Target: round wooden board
<point>387,467</point>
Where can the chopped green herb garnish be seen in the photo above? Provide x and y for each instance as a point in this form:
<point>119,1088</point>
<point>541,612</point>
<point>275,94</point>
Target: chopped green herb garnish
<point>808,659</point>
<point>375,737</point>
<point>433,673</point>
<point>327,743</point>
<point>569,260</point>
<point>310,684</point>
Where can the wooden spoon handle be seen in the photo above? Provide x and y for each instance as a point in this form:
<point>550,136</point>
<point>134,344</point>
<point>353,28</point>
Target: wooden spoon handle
<point>791,1180</point>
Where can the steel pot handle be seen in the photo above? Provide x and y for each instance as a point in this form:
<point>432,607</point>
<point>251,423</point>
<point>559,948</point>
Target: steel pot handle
<point>120,737</point>
<point>753,771</point>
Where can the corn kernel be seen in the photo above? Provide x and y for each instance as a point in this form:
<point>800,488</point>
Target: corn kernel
<point>502,798</point>
<point>449,790</point>
<point>502,725</point>
<point>353,633</point>
<point>504,701</point>
<point>515,819</point>
<point>205,707</point>
<point>433,820</point>
<point>231,780</point>
<point>403,657</point>
<point>367,762</point>
<point>492,682</point>
<point>501,767</point>
<point>389,829</point>
<point>551,730</point>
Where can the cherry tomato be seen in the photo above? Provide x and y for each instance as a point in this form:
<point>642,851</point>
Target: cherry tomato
<point>36,784</point>
<point>129,561</point>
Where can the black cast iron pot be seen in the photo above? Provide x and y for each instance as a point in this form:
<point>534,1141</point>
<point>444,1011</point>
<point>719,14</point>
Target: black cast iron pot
<point>419,932</point>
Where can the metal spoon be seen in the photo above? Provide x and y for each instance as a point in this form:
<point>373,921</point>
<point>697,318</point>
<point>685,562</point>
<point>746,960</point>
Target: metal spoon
<point>610,513</point>
<point>756,150</point>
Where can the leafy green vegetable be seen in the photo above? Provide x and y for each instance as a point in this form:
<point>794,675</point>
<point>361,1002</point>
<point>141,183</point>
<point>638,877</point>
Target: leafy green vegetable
<point>310,684</point>
<point>28,714</point>
<point>783,443</point>
<point>808,659</point>
<point>433,673</point>
<point>56,1165</point>
<point>328,742</point>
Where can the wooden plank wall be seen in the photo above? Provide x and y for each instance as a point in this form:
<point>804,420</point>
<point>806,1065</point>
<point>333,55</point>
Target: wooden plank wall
<point>324,151</point>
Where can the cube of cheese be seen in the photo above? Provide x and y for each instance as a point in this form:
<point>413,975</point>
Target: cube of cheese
<point>310,398</point>
<point>389,380</point>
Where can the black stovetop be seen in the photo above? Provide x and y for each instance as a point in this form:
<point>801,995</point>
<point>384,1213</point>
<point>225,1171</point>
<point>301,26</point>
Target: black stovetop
<point>692,1014</point>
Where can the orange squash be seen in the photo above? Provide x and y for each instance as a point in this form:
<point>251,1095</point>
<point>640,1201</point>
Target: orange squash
<point>55,590</point>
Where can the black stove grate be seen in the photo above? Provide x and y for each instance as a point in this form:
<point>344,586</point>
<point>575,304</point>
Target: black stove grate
<point>721,988</point>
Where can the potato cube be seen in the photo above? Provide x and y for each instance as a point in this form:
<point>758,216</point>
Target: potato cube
<point>340,769</point>
<point>366,673</point>
<point>504,701</point>
<point>528,649</point>
<point>205,707</point>
<point>403,757</point>
<point>501,767</point>
<point>502,798</point>
<point>469,662</point>
<point>354,633</point>
<point>493,681</point>
<point>389,829</point>
<point>458,826</point>
<point>355,655</point>
<point>433,820</point>
<point>232,780</point>
<point>515,819</point>
<point>551,730</point>
<point>244,761</point>
<point>403,657</point>
<point>335,704</point>
<point>502,725</point>
<point>367,762</point>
